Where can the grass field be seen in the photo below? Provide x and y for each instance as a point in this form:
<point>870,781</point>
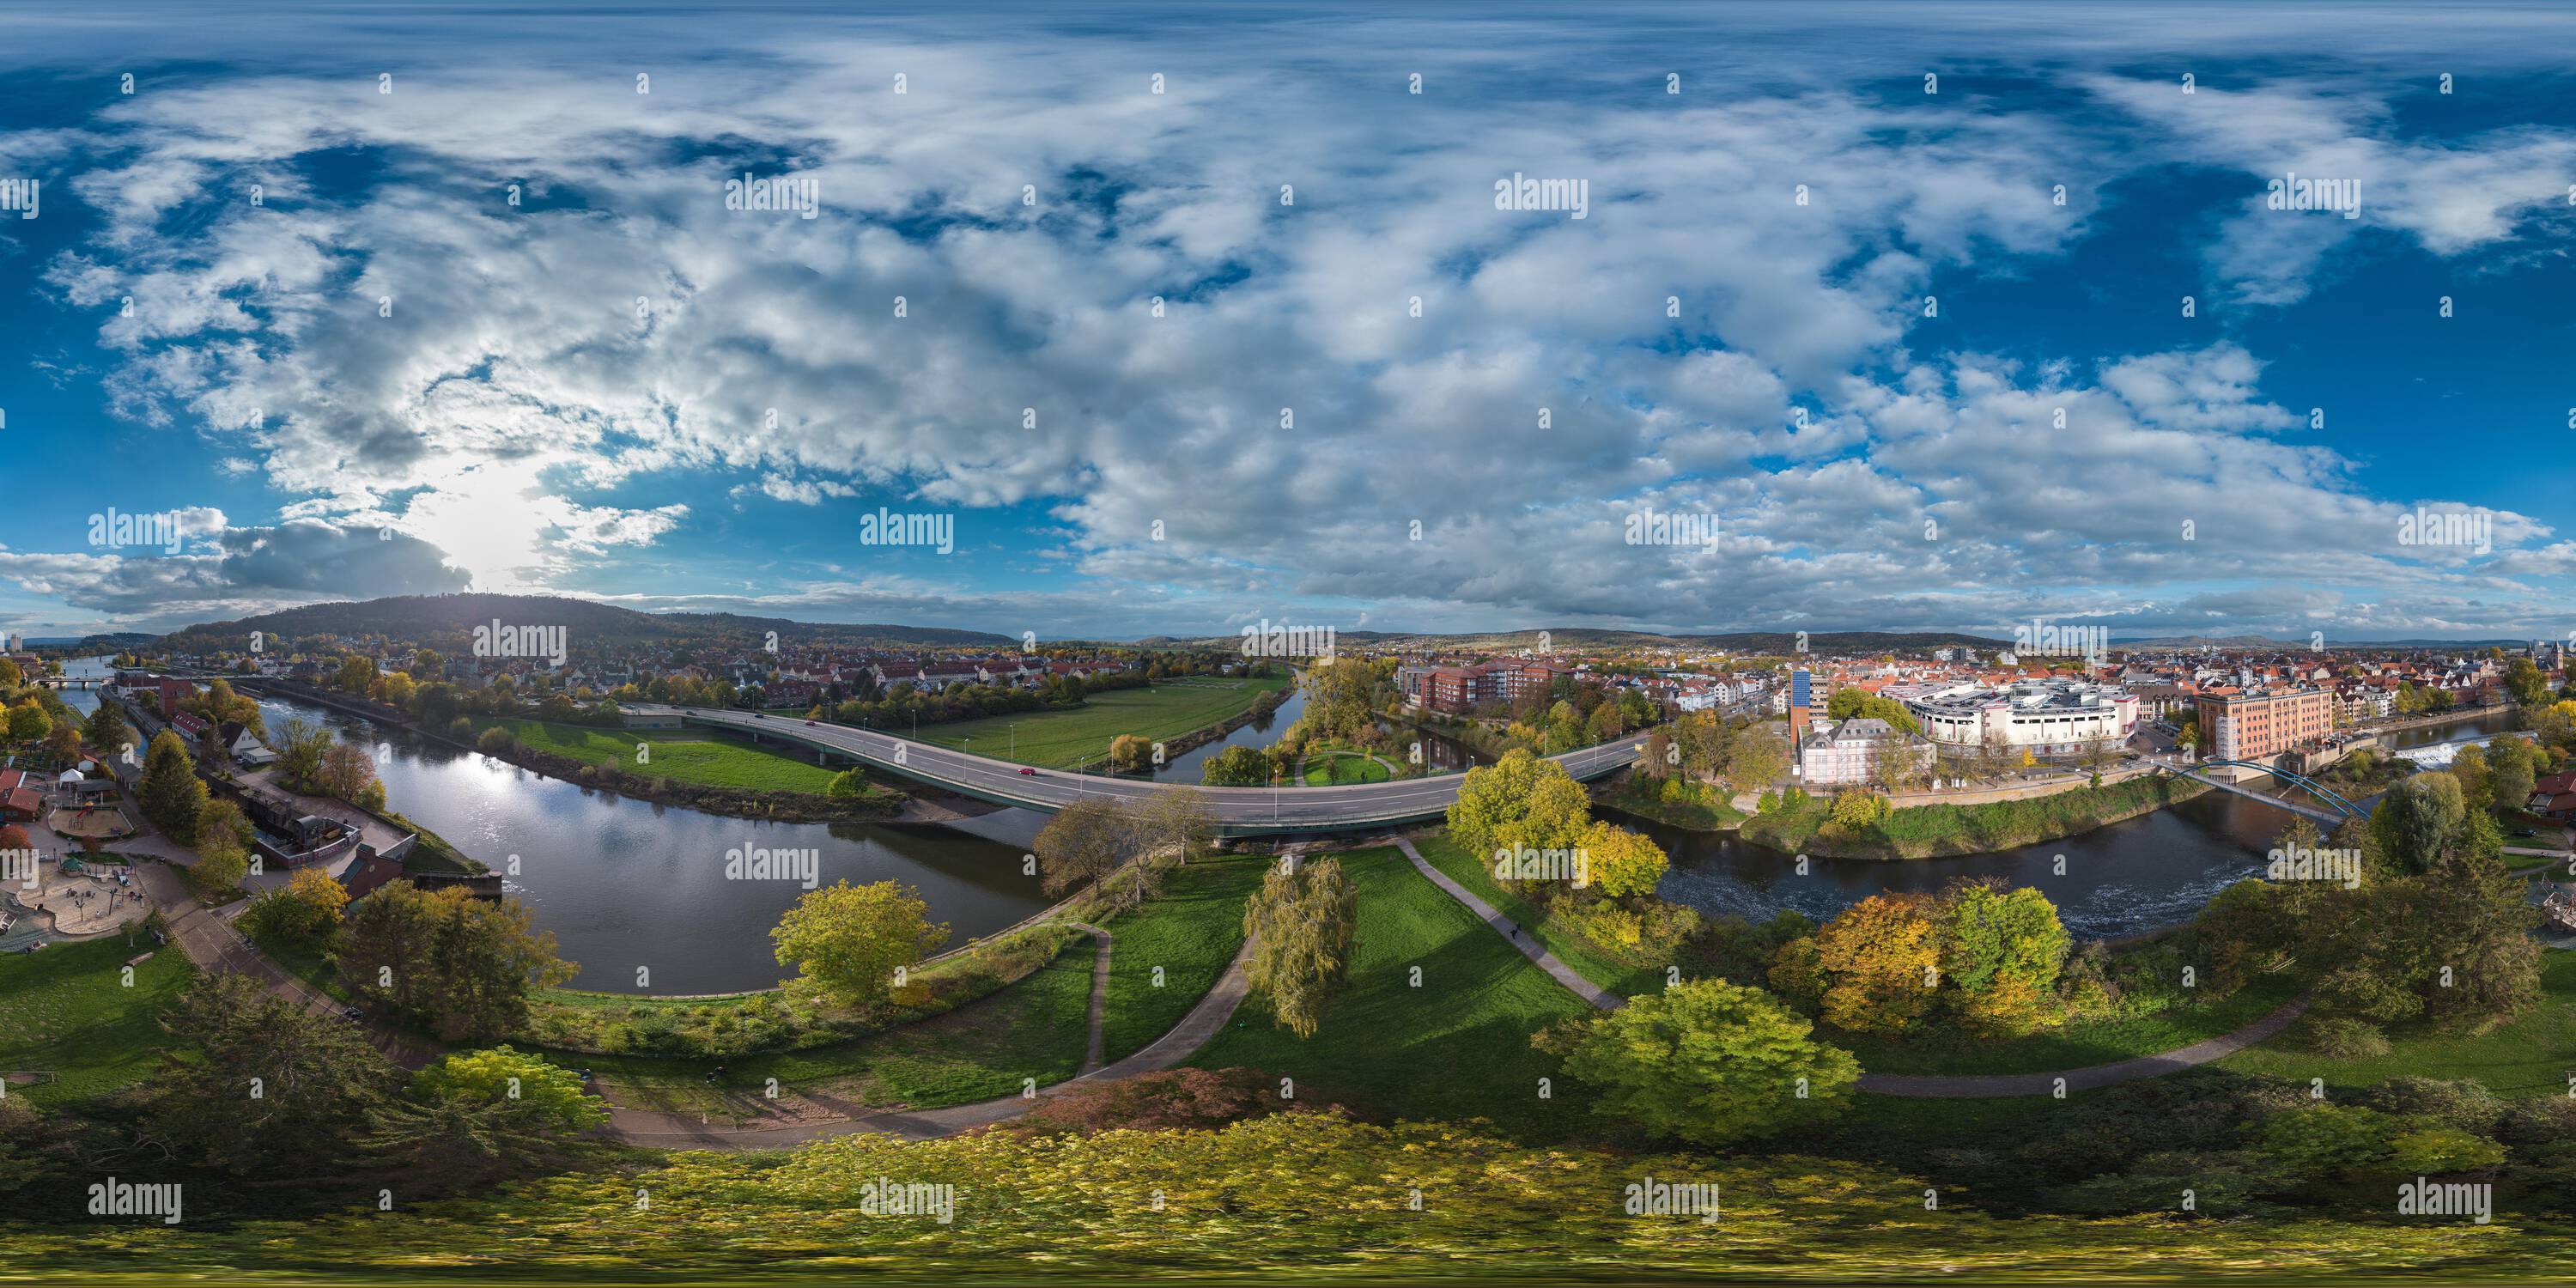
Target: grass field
<point>1063,739</point>
<point>65,1009</point>
<point>1340,768</point>
<point>1036,1028</point>
<point>683,755</point>
<point>1571,948</point>
<point>1454,1045</point>
<point>2534,1055</point>
<point>1191,931</point>
<point>2074,1046</point>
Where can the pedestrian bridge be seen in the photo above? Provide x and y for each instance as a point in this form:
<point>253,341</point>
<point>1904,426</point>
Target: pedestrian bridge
<point>1239,811</point>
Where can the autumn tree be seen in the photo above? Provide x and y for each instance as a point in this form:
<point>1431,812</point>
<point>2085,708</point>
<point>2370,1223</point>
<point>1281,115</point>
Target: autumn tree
<point>1622,862</point>
<point>849,943</point>
<point>1129,754</point>
<point>1706,1061</point>
<point>170,791</point>
<point>1882,962</point>
<point>1301,922</point>
<point>301,914</point>
<point>463,965</point>
<point>1520,800</point>
<point>2001,952</point>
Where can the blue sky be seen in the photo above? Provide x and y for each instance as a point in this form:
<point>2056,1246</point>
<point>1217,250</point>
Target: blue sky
<point>382,376</point>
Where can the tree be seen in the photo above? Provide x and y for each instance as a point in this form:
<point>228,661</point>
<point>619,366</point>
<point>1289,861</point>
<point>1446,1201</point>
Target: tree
<point>356,675</point>
<point>1129,754</point>
<point>849,784</point>
<point>2002,950</point>
<point>547,1097</point>
<point>2418,820</point>
<point>255,1083</point>
<point>1707,1061</point>
<point>28,722</point>
<point>1854,810</point>
<point>106,732</point>
<point>170,792</point>
<point>347,772</point>
<point>1179,819</point>
<point>2477,786</point>
<point>1519,801</point>
<point>2514,776</point>
<point>1236,767</point>
<point>1301,922</point>
<point>2523,679</point>
<point>849,942</point>
<point>298,915</point>
<point>220,867</point>
<point>496,741</point>
<point>1084,842</point>
<point>1622,862</point>
<point>1882,960</point>
<point>463,965</point>
<point>10,676</point>
<point>300,745</point>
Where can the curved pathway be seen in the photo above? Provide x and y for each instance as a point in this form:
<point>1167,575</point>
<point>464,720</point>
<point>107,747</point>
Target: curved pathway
<point>675,1131</point>
<point>1966,1087</point>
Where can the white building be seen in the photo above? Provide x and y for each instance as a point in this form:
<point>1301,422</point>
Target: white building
<point>2047,717</point>
<point>1850,752</point>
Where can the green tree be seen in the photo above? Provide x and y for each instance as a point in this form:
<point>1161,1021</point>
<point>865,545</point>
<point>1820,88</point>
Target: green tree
<point>849,943</point>
<point>849,784</point>
<point>1520,800</point>
<point>299,915</point>
<point>1622,862</point>
<point>1301,922</point>
<point>548,1096</point>
<point>464,966</point>
<point>2002,951</point>
<point>106,731</point>
<point>28,722</point>
<point>2513,775</point>
<point>170,792</point>
<point>2419,820</point>
<point>256,1084</point>
<point>1236,767</point>
<point>1706,1061</point>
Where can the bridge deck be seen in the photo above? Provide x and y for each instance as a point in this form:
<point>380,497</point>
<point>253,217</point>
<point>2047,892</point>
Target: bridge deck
<point>1240,811</point>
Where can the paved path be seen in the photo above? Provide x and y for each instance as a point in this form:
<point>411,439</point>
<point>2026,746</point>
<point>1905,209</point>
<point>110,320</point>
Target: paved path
<point>1204,1021</point>
<point>1504,926</point>
<point>1993,1086</point>
<point>1986,1086</point>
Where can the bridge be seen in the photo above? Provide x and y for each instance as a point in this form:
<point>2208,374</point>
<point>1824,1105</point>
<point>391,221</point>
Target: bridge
<point>1239,811</point>
<point>77,681</point>
<point>2332,817</point>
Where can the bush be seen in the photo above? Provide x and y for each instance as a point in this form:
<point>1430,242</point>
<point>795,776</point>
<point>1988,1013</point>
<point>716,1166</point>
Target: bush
<point>2345,1038</point>
<point>2465,1105</point>
<point>496,741</point>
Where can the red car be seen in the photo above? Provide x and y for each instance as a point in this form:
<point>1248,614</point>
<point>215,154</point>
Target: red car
<point>1030,772</point>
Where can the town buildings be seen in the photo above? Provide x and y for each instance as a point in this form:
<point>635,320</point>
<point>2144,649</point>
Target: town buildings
<point>1852,751</point>
<point>2258,725</point>
<point>2048,717</point>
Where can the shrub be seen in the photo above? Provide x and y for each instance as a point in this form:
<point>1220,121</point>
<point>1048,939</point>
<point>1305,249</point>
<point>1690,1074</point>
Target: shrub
<point>2345,1038</point>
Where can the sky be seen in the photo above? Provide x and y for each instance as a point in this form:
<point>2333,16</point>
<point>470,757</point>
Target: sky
<point>1176,319</point>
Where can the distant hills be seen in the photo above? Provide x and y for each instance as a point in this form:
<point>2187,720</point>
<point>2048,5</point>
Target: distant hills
<point>429,618</point>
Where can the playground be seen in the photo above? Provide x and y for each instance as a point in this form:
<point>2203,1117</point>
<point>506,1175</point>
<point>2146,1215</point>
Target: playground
<point>80,899</point>
<point>90,822</point>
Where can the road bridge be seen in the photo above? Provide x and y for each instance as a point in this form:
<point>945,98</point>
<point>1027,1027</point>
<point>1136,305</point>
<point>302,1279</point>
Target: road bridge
<point>1240,811</point>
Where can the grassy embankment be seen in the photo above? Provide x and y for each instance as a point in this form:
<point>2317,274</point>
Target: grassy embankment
<point>1934,831</point>
<point>1455,1044</point>
<point>1034,1026</point>
<point>681,755</point>
<point>1161,712</point>
<point>66,1010</point>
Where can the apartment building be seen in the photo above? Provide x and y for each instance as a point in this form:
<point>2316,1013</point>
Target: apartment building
<point>2258,725</point>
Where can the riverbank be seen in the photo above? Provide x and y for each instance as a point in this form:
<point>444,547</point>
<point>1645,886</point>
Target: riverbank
<point>694,772</point>
<point>1944,831</point>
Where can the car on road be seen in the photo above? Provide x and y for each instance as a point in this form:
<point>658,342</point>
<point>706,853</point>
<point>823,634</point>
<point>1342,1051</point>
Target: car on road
<point>813,722</point>
<point>353,1015</point>
<point>1030,772</point>
<point>759,715</point>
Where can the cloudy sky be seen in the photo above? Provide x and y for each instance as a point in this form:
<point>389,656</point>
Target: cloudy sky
<point>1948,317</point>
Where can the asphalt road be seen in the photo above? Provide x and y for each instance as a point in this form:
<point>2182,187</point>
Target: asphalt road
<point>1238,810</point>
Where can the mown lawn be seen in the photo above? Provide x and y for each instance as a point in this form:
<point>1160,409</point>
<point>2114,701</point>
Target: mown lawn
<point>1452,1042</point>
<point>2531,1056</point>
<point>682,755</point>
<point>65,1009</point>
<point>1160,712</point>
<point>1571,948</point>
<point>2074,1046</point>
<point>1036,1028</point>
<point>1341,768</point>
<point>1191,931</point>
